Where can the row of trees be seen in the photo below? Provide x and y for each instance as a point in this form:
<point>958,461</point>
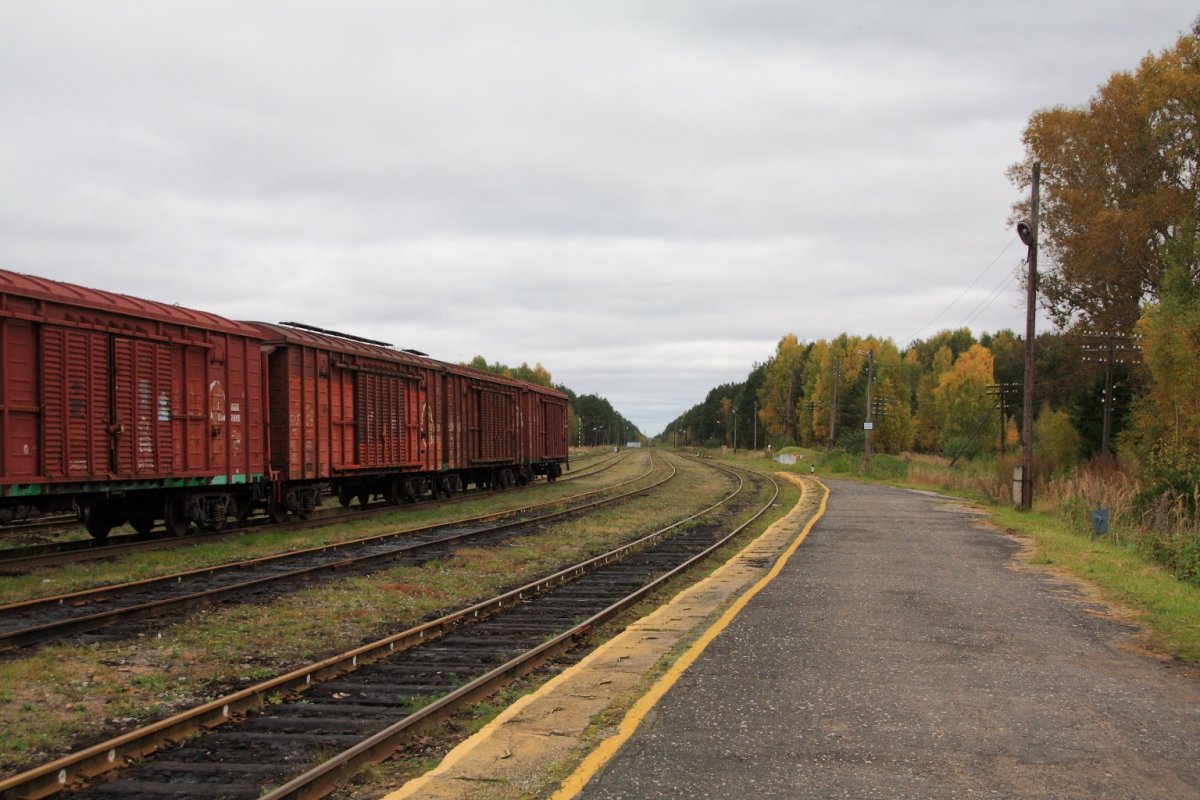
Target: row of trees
<point>953,394</point>
<point>591,419</point>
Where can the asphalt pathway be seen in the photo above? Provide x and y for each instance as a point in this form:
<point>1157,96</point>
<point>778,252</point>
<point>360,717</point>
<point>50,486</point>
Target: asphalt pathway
<point>904,653</point>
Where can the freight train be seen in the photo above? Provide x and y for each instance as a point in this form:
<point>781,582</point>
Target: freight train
<point>128,410</point>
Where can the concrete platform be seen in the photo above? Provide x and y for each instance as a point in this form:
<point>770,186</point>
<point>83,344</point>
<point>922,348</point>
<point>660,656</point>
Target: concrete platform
<point>538,740</point>
<point>901,651</point>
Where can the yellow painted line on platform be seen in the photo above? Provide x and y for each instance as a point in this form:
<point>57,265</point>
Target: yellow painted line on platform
<point>608,748</point>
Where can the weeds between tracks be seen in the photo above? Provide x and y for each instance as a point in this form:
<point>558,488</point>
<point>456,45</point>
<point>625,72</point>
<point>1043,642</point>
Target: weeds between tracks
<point>65,694</point>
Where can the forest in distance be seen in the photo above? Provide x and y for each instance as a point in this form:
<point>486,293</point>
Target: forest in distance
<point>952,394</point>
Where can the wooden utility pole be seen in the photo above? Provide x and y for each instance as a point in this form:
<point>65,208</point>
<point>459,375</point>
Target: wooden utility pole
<point>837,378</point>
<point>1029,235</point>
<point>756,426</point>
<point>1117,348</point>
<point>870,423</point>
<point>1001,391</point>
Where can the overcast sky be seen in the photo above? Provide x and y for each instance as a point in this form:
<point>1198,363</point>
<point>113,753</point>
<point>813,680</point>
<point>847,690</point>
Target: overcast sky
<point>642,196</point>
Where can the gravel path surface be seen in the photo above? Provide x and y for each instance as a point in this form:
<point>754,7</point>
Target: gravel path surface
<point>904,653</point>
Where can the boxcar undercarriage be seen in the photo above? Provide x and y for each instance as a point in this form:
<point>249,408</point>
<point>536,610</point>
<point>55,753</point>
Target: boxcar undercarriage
<point>212,509</point>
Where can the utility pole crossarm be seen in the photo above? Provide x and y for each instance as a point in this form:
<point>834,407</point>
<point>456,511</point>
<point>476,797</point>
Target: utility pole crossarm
<point>1115,348</point>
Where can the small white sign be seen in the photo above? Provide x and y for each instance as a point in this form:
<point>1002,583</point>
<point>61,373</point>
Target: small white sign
<point>868,426</point>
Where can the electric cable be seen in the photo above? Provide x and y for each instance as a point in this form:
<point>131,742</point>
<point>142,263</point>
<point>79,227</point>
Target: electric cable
<point>978,278</point>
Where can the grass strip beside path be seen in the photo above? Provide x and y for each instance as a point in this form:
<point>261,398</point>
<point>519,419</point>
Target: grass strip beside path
<point>1166,607</point>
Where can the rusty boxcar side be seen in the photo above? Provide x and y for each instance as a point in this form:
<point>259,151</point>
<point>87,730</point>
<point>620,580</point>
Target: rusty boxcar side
<point>368,420</point>
<point>543,430</point>
<point>344,412</point>
<point>483,415</point>
<point>124,408</point>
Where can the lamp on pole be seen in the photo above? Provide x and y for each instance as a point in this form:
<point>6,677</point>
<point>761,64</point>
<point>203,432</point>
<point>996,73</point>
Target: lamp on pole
<point>1028,231</point>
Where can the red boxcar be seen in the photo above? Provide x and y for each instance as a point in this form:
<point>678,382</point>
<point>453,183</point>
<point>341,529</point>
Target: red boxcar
<point>496,413</point>
<point>544,429</point>
<point>124,408</point>
<point>341,411</point>
<point>131,410</point>
<point>368,420</point>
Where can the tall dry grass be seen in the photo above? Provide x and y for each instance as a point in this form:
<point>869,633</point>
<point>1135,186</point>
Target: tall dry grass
<point>1097,484</point>
<point>1161,526</point>
<point>990,481</point>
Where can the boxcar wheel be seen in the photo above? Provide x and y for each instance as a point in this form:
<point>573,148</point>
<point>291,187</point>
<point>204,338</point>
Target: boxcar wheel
<point>364,498</point>
<point>278,513</point>
<point>97,522</point>
<point>345,496</point>
<point>395,493</point>
<point>177,522</point>
<point>142,523</point>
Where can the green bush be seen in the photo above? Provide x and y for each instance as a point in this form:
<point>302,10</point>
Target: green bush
<point>837,461</point>
<point>887,468</point>
<point>1179,552</point>
<point>852,440</point>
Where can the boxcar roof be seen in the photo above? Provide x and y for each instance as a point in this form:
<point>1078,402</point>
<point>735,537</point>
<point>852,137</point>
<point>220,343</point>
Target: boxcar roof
<point>327,341</point>
<point>69,294</point>
<point>311,338</point>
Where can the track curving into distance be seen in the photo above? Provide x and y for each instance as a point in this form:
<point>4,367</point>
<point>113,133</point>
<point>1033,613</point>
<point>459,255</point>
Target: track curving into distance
<point>351,710</point>
<point>19,560</point>
<point>114,608</point>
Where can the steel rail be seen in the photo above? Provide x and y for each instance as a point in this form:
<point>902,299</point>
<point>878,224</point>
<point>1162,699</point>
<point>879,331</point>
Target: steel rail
<point>22,559</point>
<point>80,767</point>
<point>328,776</point>
<point>34,633</point>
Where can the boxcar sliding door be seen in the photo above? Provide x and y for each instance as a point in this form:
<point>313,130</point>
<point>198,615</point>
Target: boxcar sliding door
<point>387,408</point>
<point>142,407</point>
<point>76,402</point>
<point>496,426</point>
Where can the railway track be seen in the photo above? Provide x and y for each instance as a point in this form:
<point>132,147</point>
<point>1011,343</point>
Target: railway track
<point>118,609</point>
<point>299,734</point>
<point>19,560</point>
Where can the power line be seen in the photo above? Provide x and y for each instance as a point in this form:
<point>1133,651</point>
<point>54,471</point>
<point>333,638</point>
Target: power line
<point>991,298</point>
<point>971,286</point>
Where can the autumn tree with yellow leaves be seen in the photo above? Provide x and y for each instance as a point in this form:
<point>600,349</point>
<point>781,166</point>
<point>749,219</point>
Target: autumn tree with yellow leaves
<point>783,389</point>
<point>1119,177</point>
<point>1166,420</point>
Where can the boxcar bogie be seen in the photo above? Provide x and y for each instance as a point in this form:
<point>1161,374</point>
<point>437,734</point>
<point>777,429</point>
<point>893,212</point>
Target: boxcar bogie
<point>177,510</point>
